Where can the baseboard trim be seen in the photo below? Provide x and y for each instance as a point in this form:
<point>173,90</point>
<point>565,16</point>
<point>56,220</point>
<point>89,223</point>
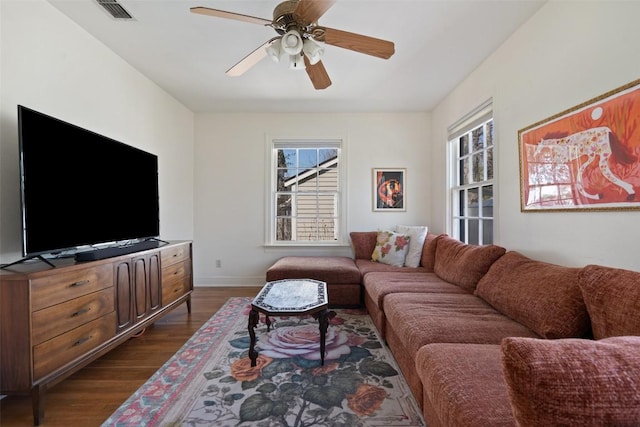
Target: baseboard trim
<point>229,281</point>
<point>227,285</point>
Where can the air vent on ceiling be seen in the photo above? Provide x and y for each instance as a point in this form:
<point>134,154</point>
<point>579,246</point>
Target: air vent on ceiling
<point>115,9</point>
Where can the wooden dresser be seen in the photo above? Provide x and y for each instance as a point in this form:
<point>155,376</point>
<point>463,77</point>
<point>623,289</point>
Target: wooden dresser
<point>54,321</point>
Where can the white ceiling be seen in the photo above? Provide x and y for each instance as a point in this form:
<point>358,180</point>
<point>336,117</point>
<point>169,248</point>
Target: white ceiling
<point>438,43</point>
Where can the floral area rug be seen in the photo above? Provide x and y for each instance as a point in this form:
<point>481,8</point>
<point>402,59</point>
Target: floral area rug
<point>210,381</point>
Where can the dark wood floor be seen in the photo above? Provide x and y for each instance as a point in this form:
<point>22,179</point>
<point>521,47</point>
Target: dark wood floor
<point>91,395</point>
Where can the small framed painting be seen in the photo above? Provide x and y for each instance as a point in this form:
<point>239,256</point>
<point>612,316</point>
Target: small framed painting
<point>584,158</point>
<point>389,189</point>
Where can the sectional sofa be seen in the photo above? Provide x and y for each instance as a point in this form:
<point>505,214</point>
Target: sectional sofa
<point>490,337</point>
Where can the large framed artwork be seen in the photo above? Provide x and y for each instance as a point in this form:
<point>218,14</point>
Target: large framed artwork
<point>584,158</point>
<point>389,189</point>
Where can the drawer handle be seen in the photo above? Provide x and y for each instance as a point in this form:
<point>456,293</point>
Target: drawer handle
<point>79,312</point>
<point>81,341</point>
<point>79,283</point>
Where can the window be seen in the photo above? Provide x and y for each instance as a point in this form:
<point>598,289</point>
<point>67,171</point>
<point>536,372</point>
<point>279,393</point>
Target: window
<point>471,150</point>
<point>305,202</point>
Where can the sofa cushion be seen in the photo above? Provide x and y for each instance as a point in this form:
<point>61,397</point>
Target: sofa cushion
<point>612,297</point>
<point>367,266</point>
<point>573,382</point>
<point>545,297</point>
<point>418,319</point>
<point>391,248</point>
<point>465,386</point>
<point>417,234</point>
<point>428,257</point>
<point>363,243</point>
<point>463,264</point>
<point>379,284</point>
<point>329,269</point>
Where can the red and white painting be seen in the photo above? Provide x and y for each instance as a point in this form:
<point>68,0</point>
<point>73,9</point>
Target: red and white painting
<point>585,158</point>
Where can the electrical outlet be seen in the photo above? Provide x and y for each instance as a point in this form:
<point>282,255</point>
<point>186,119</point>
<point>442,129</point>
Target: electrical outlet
<point>218,263</point>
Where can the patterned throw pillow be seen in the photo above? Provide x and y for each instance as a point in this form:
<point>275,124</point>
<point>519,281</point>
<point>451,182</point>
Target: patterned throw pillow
<point>418,234</point>
<point>391,248</point>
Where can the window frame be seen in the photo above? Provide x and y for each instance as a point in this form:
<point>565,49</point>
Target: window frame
<point>479,117</point>
<point>272,146</point>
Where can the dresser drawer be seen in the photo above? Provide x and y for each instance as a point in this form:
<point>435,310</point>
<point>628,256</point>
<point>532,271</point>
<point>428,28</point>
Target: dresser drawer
<point>58,319</point>
<point>176,280</point>
<point>175,254</point>
<point>57,288</point>
<point>172,293</point>
<point>57,352</point>
<point>174,273</point>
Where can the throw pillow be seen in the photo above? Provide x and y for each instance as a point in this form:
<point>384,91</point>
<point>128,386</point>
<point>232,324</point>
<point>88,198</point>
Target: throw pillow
<point>573,382</point>
<point>417,234</point>
<point>544,297</point>
<point>463,264</point>
<point>391,248</point>
<point>612,296</point>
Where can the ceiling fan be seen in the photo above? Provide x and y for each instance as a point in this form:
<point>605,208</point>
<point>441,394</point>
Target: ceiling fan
<point>296,22</point>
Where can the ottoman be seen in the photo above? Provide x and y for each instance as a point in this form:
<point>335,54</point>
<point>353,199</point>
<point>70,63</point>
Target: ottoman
<point>339,273</point>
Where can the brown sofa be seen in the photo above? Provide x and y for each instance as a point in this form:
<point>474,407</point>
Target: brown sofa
<point>482,336</point>
<point>490,337</point>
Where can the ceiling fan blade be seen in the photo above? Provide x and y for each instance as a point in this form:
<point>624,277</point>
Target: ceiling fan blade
<point>310,11</point>
<point>318,74</point>
<point>229,15</point>
<point>359,43</point>
<point>250,60</point>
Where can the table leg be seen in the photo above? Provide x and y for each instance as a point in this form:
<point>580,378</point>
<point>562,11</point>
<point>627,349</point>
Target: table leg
<point>323,320</point>
<point>254,316</point>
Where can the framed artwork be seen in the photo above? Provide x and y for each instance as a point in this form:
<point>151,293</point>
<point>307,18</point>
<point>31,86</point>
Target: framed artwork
<point>584,158</point>
<point>389,190</point>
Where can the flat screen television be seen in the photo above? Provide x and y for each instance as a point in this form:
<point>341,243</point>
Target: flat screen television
<point>79,188</point>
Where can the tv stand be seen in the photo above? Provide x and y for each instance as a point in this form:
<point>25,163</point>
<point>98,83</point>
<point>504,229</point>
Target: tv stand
<point>54,322</point>
<point>20,261</point>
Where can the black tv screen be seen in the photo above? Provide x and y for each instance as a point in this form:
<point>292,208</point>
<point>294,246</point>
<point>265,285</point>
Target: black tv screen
<point>80,188</point>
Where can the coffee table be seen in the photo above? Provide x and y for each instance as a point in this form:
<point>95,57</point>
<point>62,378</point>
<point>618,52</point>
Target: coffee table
<point>290,297</point>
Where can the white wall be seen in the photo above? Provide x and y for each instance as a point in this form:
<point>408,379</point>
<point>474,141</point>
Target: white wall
<point>231,168</point>
<point>52,65</point>
<point>568,53</point>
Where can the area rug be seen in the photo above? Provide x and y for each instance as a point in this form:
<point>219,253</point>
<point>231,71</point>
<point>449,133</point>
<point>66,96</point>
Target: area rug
<point>210,381</point>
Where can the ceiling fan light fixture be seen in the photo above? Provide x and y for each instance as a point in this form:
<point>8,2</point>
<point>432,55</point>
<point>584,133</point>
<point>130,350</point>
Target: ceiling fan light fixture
<point>274,51</point>
<point>296,62</point>
<point>313,51</point>
<point>292,42</point>
<point>296,23</point>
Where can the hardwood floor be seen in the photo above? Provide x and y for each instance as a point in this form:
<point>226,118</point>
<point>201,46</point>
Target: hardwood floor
<point>92,394</point>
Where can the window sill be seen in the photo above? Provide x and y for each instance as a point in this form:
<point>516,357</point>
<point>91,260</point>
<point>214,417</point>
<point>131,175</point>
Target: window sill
<point>306,246</point>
